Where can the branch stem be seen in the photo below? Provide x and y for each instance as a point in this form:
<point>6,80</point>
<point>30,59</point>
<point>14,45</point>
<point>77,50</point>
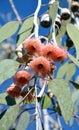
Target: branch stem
<point>15,11</point>
<point>36,18</point>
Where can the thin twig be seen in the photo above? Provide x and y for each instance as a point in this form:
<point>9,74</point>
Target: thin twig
<point>15,11</point>
<point>76,116</point>
<point>58,121</point>
<point>38,121</point>
<point>53,34</point>
<point>42,90</point>
<point>25,96</point>
<point>36,18</point>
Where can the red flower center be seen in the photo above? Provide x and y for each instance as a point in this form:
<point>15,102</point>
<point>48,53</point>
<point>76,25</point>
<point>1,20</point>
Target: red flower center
<point>40,66</point>
<point>33,48</point>
<point>22,79</point>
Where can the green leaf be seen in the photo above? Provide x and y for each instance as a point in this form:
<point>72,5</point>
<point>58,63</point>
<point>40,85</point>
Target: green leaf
<point>73,33</point>
<point>9,117</point>
<point>60,89</point>
<point>75,96</point>
<point>8,68</point>
<point>25,30</point>
<point>6,99</point>
<point>8,30</point>
<point>75,61</point>
<point>23,121</point>
<point>62,71</point>
<point>67,70</point>
<point>53,10</point>
<point>28,23</point>
<point>61,31</point>
<point>23,36</point>
<point>46,102</point>
<point>70,71</point>
<point>76,85</point>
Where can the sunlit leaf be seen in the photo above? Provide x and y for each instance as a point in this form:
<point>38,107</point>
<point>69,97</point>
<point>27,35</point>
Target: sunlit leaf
<point>76,85</point>
<point>53,8</point>
<point>73,33</point>
<point>8,30</point>
<point>75,96</point>
<point>23,121</point>
<point>9,117</point>
<point>23,36</point>
<point>8,68</point>
<point>46,102</point>
<point>70,71</point>
<point>67,70</point>
<point>61,31</point>
<point>6,99</point>
<point>62,70</point>
<point>75,61</point>
<point>26,25</point>
<point>60,89</point>
<point>25,30</point>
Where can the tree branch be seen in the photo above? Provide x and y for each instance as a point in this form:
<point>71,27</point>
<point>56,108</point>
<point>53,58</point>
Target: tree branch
<point>15,11</point>
<point>36,18</point>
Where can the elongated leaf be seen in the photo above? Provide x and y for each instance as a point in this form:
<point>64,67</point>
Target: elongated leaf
<point>8,30</point>
<point>25,30</point>
<point>22,36</point>
<point>28,23</point>
<point>75,61</point>
<point>62,70</point>
<point>6,99</point>
<point>70,71</point>
<point>76,85</point>
<point>8,68</point>
<point>53,10</point>
<point>9,117</point>
<point>66,70</point>
<point>73,33</point>
<point>75,96</point>
<point>46,102</point>
<point>23,121</point>
<point>61,31</point>
<point>60,89</point>
<point>2,98</point>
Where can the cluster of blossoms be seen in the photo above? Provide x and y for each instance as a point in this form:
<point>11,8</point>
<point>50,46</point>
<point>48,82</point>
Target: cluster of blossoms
<point>40,59</point>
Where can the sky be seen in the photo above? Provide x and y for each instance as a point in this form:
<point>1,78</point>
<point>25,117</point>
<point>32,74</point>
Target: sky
<point>25,8</point>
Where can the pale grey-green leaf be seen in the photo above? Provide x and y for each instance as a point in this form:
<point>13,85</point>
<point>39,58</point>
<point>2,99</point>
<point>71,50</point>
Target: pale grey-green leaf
<point>23,121</point>
<point>23,36</point>
<point>70,71</point>
<point>46,102</point>
<point>67,70</point>
<point>62,70</point>
<point>2,98</point>
<point>75,96</point>
<point>53,10</point>
<point>8,67</point>
<point>73,33</point>
<point>61,32</point>
<point>28,23</point>
<point>75,61</point>
<point>25,30</point>
<point>9,117</point>
<point>60,89</point>
<point>8,30</point>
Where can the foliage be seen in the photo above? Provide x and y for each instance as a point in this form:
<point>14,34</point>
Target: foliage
<point>37,60</point>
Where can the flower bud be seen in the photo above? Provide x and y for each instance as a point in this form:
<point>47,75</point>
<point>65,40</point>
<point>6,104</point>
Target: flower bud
<point>65,14</point>
<point>46,21</point>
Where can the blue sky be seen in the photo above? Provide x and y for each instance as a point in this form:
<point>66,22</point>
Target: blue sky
<point>26,8</point>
